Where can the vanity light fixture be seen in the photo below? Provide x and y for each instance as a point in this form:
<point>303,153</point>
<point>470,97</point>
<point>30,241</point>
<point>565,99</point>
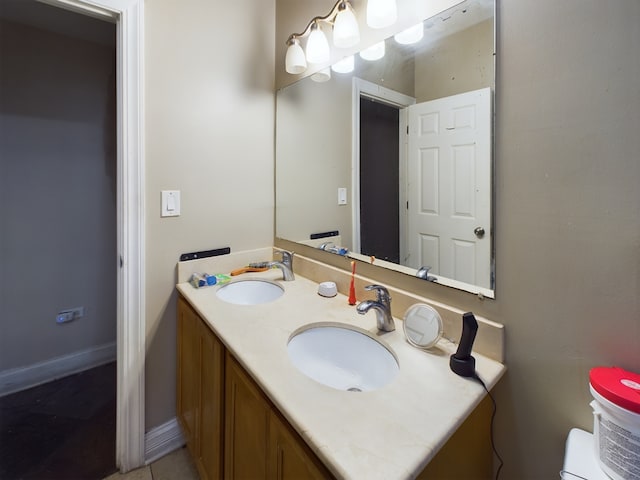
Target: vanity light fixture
<point>346,33</point>
<point>374,52</point>
<point>410,35</point>
<point>317,46</point>
<point>346,65</point>
<point>381,13</point>
<point>295,60</point>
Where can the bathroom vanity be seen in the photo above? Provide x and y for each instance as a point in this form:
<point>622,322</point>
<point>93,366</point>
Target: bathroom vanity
<point>248,412</point>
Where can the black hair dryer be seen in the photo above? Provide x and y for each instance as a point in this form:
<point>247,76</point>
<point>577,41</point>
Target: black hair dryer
<point>461,362</point>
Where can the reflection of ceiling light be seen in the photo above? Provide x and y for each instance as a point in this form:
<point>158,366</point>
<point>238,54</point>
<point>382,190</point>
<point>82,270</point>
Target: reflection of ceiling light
<point>381,13</point>
<point>295,62</point>
<point>374,52</point>
<point>345,27</point>
<point>323,75</point>
<point>317,46</point>
<point>345,65</point>
<point>410,35</point>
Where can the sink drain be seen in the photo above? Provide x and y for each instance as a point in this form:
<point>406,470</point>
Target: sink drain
<point>353,389</point>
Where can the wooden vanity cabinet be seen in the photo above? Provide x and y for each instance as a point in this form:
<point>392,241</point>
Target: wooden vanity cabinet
<point>225,415</point>
<point>288,456</point>
<point>233,431</point>
<point>200,391</point>
<point>246,429</point>
<point>467,454</point>
<point>258,442</point>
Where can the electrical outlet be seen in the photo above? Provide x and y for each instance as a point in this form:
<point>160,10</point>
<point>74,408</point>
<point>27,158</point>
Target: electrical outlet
<point>66,316</point>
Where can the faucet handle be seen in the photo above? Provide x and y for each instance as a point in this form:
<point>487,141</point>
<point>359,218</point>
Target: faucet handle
<point>287,258</point>
<point>382,294</point>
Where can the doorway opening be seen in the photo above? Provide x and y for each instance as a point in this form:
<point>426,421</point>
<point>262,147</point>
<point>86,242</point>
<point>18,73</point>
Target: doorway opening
<point>379,181</point>
<point>126,16</point>
<point>59,170</point>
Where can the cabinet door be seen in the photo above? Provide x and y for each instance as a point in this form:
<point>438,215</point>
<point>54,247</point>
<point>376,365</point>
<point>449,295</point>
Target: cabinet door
<point>210,424</point>
<point>288,457</point>
<point>474,439</point>
<point>246,425</point>
<point>188,384</point>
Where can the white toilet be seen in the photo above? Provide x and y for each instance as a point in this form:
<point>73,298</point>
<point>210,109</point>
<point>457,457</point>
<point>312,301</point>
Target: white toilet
<point>580,460</point>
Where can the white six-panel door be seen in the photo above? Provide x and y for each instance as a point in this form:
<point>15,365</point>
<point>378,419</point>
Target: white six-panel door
<point>449,182</point>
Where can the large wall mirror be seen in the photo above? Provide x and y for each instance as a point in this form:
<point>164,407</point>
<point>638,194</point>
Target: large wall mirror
<point>392,163</point>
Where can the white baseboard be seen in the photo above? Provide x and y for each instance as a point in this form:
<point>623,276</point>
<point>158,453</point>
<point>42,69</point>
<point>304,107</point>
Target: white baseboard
<point>162,440</point>
<point>16,379</point>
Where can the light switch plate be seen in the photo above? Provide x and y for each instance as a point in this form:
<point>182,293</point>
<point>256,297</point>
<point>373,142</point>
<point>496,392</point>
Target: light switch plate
<point>170,203</point>
<point>342,196</point>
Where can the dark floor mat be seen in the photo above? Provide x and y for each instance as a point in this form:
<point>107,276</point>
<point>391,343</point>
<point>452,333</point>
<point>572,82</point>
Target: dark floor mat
<point>60,430</point>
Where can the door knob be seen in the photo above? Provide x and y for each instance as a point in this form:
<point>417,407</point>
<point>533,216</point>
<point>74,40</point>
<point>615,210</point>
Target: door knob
<point>479,231</point>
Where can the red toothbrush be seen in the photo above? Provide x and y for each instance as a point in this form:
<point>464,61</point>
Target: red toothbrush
<point>352,288</point>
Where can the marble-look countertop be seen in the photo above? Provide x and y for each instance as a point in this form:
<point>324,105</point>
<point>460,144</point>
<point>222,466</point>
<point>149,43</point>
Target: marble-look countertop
<point>390,433</point>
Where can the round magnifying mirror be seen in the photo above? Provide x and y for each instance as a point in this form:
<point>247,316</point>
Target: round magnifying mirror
<point>422,326</point>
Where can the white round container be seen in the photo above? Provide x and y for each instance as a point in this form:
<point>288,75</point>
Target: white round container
<point>327,289</point>
<point>616,430</point>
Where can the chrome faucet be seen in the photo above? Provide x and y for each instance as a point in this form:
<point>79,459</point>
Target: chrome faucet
<point>286,265</point>
<point>382,306</point>
<point>423,273</point>
<point>324,245</point>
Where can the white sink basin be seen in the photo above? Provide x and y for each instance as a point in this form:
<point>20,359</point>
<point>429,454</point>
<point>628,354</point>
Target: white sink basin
<point>250,292</point>
<point>342,357</point>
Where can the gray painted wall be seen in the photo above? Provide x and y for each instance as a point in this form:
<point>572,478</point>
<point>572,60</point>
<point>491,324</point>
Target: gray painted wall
<point>567,218</point>
<point>57,189</point>
<point>456,64</point>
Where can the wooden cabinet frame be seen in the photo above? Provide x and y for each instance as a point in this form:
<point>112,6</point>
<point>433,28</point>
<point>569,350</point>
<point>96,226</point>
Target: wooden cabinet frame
<point>199,393</point>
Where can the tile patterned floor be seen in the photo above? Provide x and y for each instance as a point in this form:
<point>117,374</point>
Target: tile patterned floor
<point>177,465</point>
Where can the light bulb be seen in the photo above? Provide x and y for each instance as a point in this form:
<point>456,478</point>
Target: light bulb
<point>410,35</point>
<point>381,13</point>
<point>295,63</point>
<point>345,28</point>
<point>374,52</point>
<point>317,46</point>
<point>345,65</point>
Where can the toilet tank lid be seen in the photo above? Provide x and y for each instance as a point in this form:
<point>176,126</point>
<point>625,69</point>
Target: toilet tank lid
<point>617,385</point>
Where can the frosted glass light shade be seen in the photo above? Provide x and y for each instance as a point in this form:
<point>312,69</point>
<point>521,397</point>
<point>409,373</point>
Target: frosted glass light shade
<point>323,75</point>
<point>381,13</point>
<point>317,47</point>
<point>345,65</point>
<point>410,35</point>
<point>295,62</point>
<point>374,52</point>
<point>345,29</point>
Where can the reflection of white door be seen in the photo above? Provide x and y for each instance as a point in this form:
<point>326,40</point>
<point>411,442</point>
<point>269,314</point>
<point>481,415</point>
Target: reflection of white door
<point>449,181</point>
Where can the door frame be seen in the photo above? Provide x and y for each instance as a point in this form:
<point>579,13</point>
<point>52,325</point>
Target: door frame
<point>364,88</point>
<point>127,15</point>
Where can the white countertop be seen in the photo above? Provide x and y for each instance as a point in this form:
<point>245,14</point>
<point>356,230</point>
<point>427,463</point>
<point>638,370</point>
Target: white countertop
<point>389,433</point>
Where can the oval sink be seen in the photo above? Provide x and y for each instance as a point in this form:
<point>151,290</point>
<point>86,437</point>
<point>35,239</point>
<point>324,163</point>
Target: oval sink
<point>342,357</point>
<point>250,292</point>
